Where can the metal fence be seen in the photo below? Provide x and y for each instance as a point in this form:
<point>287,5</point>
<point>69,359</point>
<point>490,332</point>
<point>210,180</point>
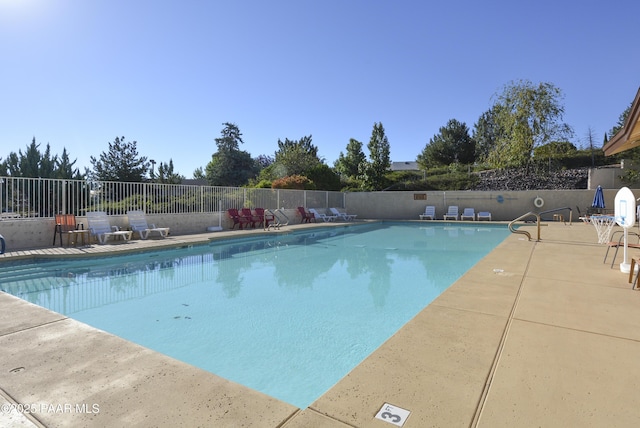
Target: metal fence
<point>42,197</point>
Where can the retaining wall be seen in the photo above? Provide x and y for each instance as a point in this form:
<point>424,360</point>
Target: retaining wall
<point>504,206</point>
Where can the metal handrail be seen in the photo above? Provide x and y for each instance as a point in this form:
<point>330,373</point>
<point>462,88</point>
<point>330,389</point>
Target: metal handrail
<point>278,222</point>
<point>524,232</point>
<point>560,209</point>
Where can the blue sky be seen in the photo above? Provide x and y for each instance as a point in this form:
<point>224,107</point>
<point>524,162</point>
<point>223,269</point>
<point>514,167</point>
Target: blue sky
<point>167,74</point>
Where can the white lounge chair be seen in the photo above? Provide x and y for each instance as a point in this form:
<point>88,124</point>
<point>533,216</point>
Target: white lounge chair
<point>101,229</point>
<point>452,213</point>
<point>429,213</point>
<point>468,213</point>
<point>344,216</point>
<point>322,216</point>
<point>484,215</point>
<point>138,223</point>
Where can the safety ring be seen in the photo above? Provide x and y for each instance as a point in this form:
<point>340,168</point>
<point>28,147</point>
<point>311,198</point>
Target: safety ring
<point>538,202</point>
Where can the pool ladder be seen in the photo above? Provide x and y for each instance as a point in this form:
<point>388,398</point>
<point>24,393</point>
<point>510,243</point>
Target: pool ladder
<point>278,215</point>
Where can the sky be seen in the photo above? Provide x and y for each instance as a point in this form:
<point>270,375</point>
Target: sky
<point>167,74</point>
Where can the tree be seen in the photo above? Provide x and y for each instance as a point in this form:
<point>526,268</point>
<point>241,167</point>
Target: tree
<point>528,116</point>
<point>621,121</point>
<point>30,160</point>
<point>65,169</point>
<point>295,157</point>
<point>198,173</point>
<point>486,133</point>
<point>347,165</point>
<point>230,166</point>
<point>120,163</point>
<point>372,172</point>
<point>166,175</point>
<point>34,164</point>
<point>452,144</point>
<point>231,137</point>
<point>323,177</point>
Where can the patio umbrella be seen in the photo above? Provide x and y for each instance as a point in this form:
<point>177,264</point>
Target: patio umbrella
<point>598,199</point>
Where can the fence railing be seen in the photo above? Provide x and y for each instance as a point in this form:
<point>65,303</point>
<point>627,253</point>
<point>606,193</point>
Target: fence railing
<point>43,197</point>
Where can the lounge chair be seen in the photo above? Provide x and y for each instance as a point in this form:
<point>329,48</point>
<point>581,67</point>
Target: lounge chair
<point>429,213</point>
<point>452,213</point>
<point>323,216</point>
<point>138,224</point>
<point>66,226</point>
<point>263,218</point>
<point>468,213</point>
<point>306,216</point>
<point>484,215</point>
<point>343,215</point>
<point>101,229</point>
<point>253,219</point>
<point>237,218</point>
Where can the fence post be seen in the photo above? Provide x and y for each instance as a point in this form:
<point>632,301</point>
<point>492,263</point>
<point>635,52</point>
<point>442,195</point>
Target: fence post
<point>64,198</point>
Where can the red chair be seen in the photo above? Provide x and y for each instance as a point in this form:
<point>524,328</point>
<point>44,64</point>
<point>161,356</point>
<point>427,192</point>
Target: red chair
<point>253,219</point>
<point>306,217</point>
<point>263,218</point>
<point>238,219</point>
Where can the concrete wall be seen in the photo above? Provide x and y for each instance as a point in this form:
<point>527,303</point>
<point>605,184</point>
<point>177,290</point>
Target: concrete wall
<point>607,177</point>
<point>38,233</point>
<point>504,206</point>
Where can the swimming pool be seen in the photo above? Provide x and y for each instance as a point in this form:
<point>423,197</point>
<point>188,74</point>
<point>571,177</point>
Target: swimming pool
<point>287,314</point>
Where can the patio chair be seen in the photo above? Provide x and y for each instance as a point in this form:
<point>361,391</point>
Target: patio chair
<point>429,213</point>
<point>138,224</point>
<point>253,219</point>
<point>484,215</point>
<point>65,226</point>
<point>343,215</point>
<point>101,229</point>
<point>452,213</point>
<point>306,216</point>
<point>237,218</point>
<point>323,216</point>
<point>264,218</point>
<point>620,243</point>
<point>468,213</point>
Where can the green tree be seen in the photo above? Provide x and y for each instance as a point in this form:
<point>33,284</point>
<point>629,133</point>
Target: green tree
<point>120,163</point>
<point>65,169</point>
<point>323,177</point>
<point>30,161</point>
<point>486,133</point>
<point>372,172</point>
<point>347,165</point>
<point>198,173</point>
<point>12,165</point>
<point>621,121</point>
<point>295,157</point>
<point>166,174</point>
<point>230,166</point>
<point>47,164</point>
<point>231,137</point>
<point>452,144</point>
<point>528,116</point>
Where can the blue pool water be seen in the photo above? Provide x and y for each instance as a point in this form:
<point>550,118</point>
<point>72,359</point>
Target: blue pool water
<point>287,314</point>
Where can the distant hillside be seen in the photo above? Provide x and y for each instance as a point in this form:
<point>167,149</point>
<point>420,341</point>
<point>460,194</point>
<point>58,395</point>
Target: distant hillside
<point>518,180</point>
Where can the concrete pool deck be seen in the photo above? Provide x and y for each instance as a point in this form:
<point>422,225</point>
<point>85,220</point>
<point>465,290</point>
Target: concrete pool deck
<point>535,334</point>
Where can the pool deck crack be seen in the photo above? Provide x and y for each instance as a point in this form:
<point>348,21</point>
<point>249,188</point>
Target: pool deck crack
<point>496,360</point>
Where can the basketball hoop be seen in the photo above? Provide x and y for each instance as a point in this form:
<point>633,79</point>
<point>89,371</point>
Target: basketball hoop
<point>603,225</point>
